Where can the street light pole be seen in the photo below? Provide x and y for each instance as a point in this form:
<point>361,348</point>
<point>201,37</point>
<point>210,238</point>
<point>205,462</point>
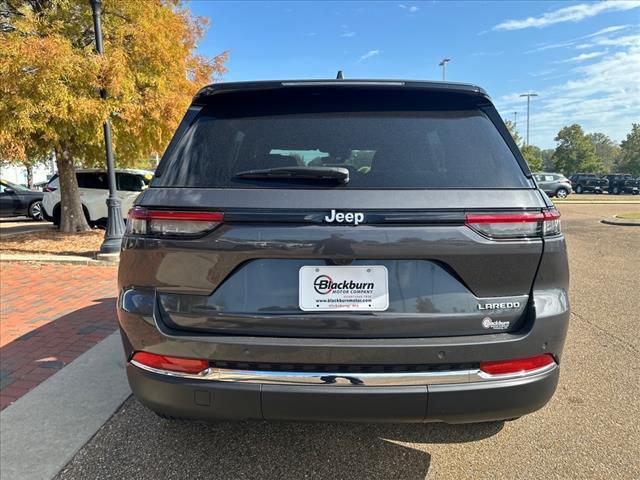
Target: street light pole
<point>443,64</point>
<point>528,95</point>
<point>515,120</point>
<point>115,225</point>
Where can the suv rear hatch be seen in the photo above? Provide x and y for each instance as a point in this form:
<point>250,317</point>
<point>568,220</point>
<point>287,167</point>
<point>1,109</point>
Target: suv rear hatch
<point>437,232</point>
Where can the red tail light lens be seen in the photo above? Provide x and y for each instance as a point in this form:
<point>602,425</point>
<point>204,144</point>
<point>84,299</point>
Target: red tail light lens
<point>551,224</point>
<point>164,222</point>
<point>520,365</point>
<point>172,364</point>
<point>48,189</point>
<point>515,225</point>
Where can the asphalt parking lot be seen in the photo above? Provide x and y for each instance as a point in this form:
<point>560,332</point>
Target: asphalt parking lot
<point>589,430</point>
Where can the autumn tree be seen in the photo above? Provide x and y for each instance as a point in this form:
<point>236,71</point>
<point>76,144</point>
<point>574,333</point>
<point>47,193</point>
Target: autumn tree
<point>630,154</point>
<point>531,153</point>
<point>606,149</point>
<point>575,153</point>
<point>50,79</point>
<point>533,156</point>
<point>514,133</point>
<point>547,158</point>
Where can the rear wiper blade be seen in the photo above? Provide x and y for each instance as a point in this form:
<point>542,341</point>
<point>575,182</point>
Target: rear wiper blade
<point>333,174</point>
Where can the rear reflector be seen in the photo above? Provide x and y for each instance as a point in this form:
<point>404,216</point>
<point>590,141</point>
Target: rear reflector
<point>165,222</point>
<point>515,225</point>
<point>520,365</point>
<point>172,364</point>
<point>48,189</point>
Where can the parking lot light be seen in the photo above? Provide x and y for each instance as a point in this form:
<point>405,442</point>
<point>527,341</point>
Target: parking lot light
<point>528,95</point>
<point>443,64</point>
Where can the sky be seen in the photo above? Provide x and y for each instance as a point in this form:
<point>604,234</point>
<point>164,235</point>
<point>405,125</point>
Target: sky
<point>581,58</point>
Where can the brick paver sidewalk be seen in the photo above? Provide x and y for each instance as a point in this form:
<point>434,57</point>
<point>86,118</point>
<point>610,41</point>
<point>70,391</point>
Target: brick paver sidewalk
<point>49,315</point>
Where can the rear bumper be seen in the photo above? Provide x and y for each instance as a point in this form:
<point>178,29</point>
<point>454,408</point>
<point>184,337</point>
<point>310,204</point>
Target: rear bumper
<point>475,401</point>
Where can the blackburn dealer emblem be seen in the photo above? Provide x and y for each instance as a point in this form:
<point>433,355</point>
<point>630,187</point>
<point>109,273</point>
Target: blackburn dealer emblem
<point>488,323</point>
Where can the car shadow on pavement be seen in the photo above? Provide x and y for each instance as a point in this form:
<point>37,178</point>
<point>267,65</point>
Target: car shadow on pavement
<point>135,441</point>
<point>47,345</point>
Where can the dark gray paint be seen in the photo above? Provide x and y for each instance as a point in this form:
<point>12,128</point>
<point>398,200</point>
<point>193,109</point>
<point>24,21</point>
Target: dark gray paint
<point>283,224</point>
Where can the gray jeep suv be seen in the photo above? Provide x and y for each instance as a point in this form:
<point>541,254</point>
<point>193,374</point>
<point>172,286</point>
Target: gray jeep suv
<point>343,250</point>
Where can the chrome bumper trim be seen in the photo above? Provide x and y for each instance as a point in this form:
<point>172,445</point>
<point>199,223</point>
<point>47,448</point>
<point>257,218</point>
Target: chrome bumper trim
<point>347,379</point>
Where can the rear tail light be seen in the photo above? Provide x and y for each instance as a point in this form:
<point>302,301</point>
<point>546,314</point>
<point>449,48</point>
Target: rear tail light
<point>551,223</point>
<point>515,225</point>
<point>48,189</point>
<point>521,365</point>
<point>172,364</point>
<point>164,222</point>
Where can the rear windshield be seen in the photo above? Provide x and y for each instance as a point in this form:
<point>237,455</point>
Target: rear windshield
<point>439,148</point>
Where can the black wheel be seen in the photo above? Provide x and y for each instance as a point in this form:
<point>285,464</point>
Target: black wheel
<point>579,189</point>
<point>562,193</point>
<point>35,211</point>
<point>56,216</point>
<point>616,191</point>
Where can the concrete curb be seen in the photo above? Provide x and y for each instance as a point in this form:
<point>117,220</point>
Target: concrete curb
<point>621,221</point>
<point>59,259</point>
<point>42,431</point>
<point>22,232</point>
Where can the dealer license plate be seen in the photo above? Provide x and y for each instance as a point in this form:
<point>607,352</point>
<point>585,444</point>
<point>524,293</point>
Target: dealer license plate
<point>352,288</point>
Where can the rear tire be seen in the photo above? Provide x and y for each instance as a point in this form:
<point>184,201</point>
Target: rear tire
<point>562,193</point>
<point>616,191</point>
<point>36,211</point>
<point>579,189</point>
<point>56,216</point>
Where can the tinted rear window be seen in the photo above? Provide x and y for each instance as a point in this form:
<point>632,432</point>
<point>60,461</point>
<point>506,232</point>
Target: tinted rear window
<point>96,180</point>
<point>395,148</point>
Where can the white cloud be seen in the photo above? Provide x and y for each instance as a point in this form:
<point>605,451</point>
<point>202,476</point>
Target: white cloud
<point>573,13</point>
<point>602,96</point>
<point>550,46</point>
<point>369,54</point>
<point>542,73</point>
<point>598,36</point>
<point>584,56</point>
<point>611,29</point>
<point>410,9</point>
<point>348,34</point>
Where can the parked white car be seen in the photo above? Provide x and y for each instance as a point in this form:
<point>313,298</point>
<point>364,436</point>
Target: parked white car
<point>94,190</point>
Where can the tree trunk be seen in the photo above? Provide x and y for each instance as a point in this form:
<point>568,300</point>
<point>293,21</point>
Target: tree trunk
<point>29,169</point>
<point>72,217</point>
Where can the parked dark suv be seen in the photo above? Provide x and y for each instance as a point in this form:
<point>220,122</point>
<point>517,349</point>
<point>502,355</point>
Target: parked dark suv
<point>343,251</point>
<point>622,183</point>
<point>588,183</point>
